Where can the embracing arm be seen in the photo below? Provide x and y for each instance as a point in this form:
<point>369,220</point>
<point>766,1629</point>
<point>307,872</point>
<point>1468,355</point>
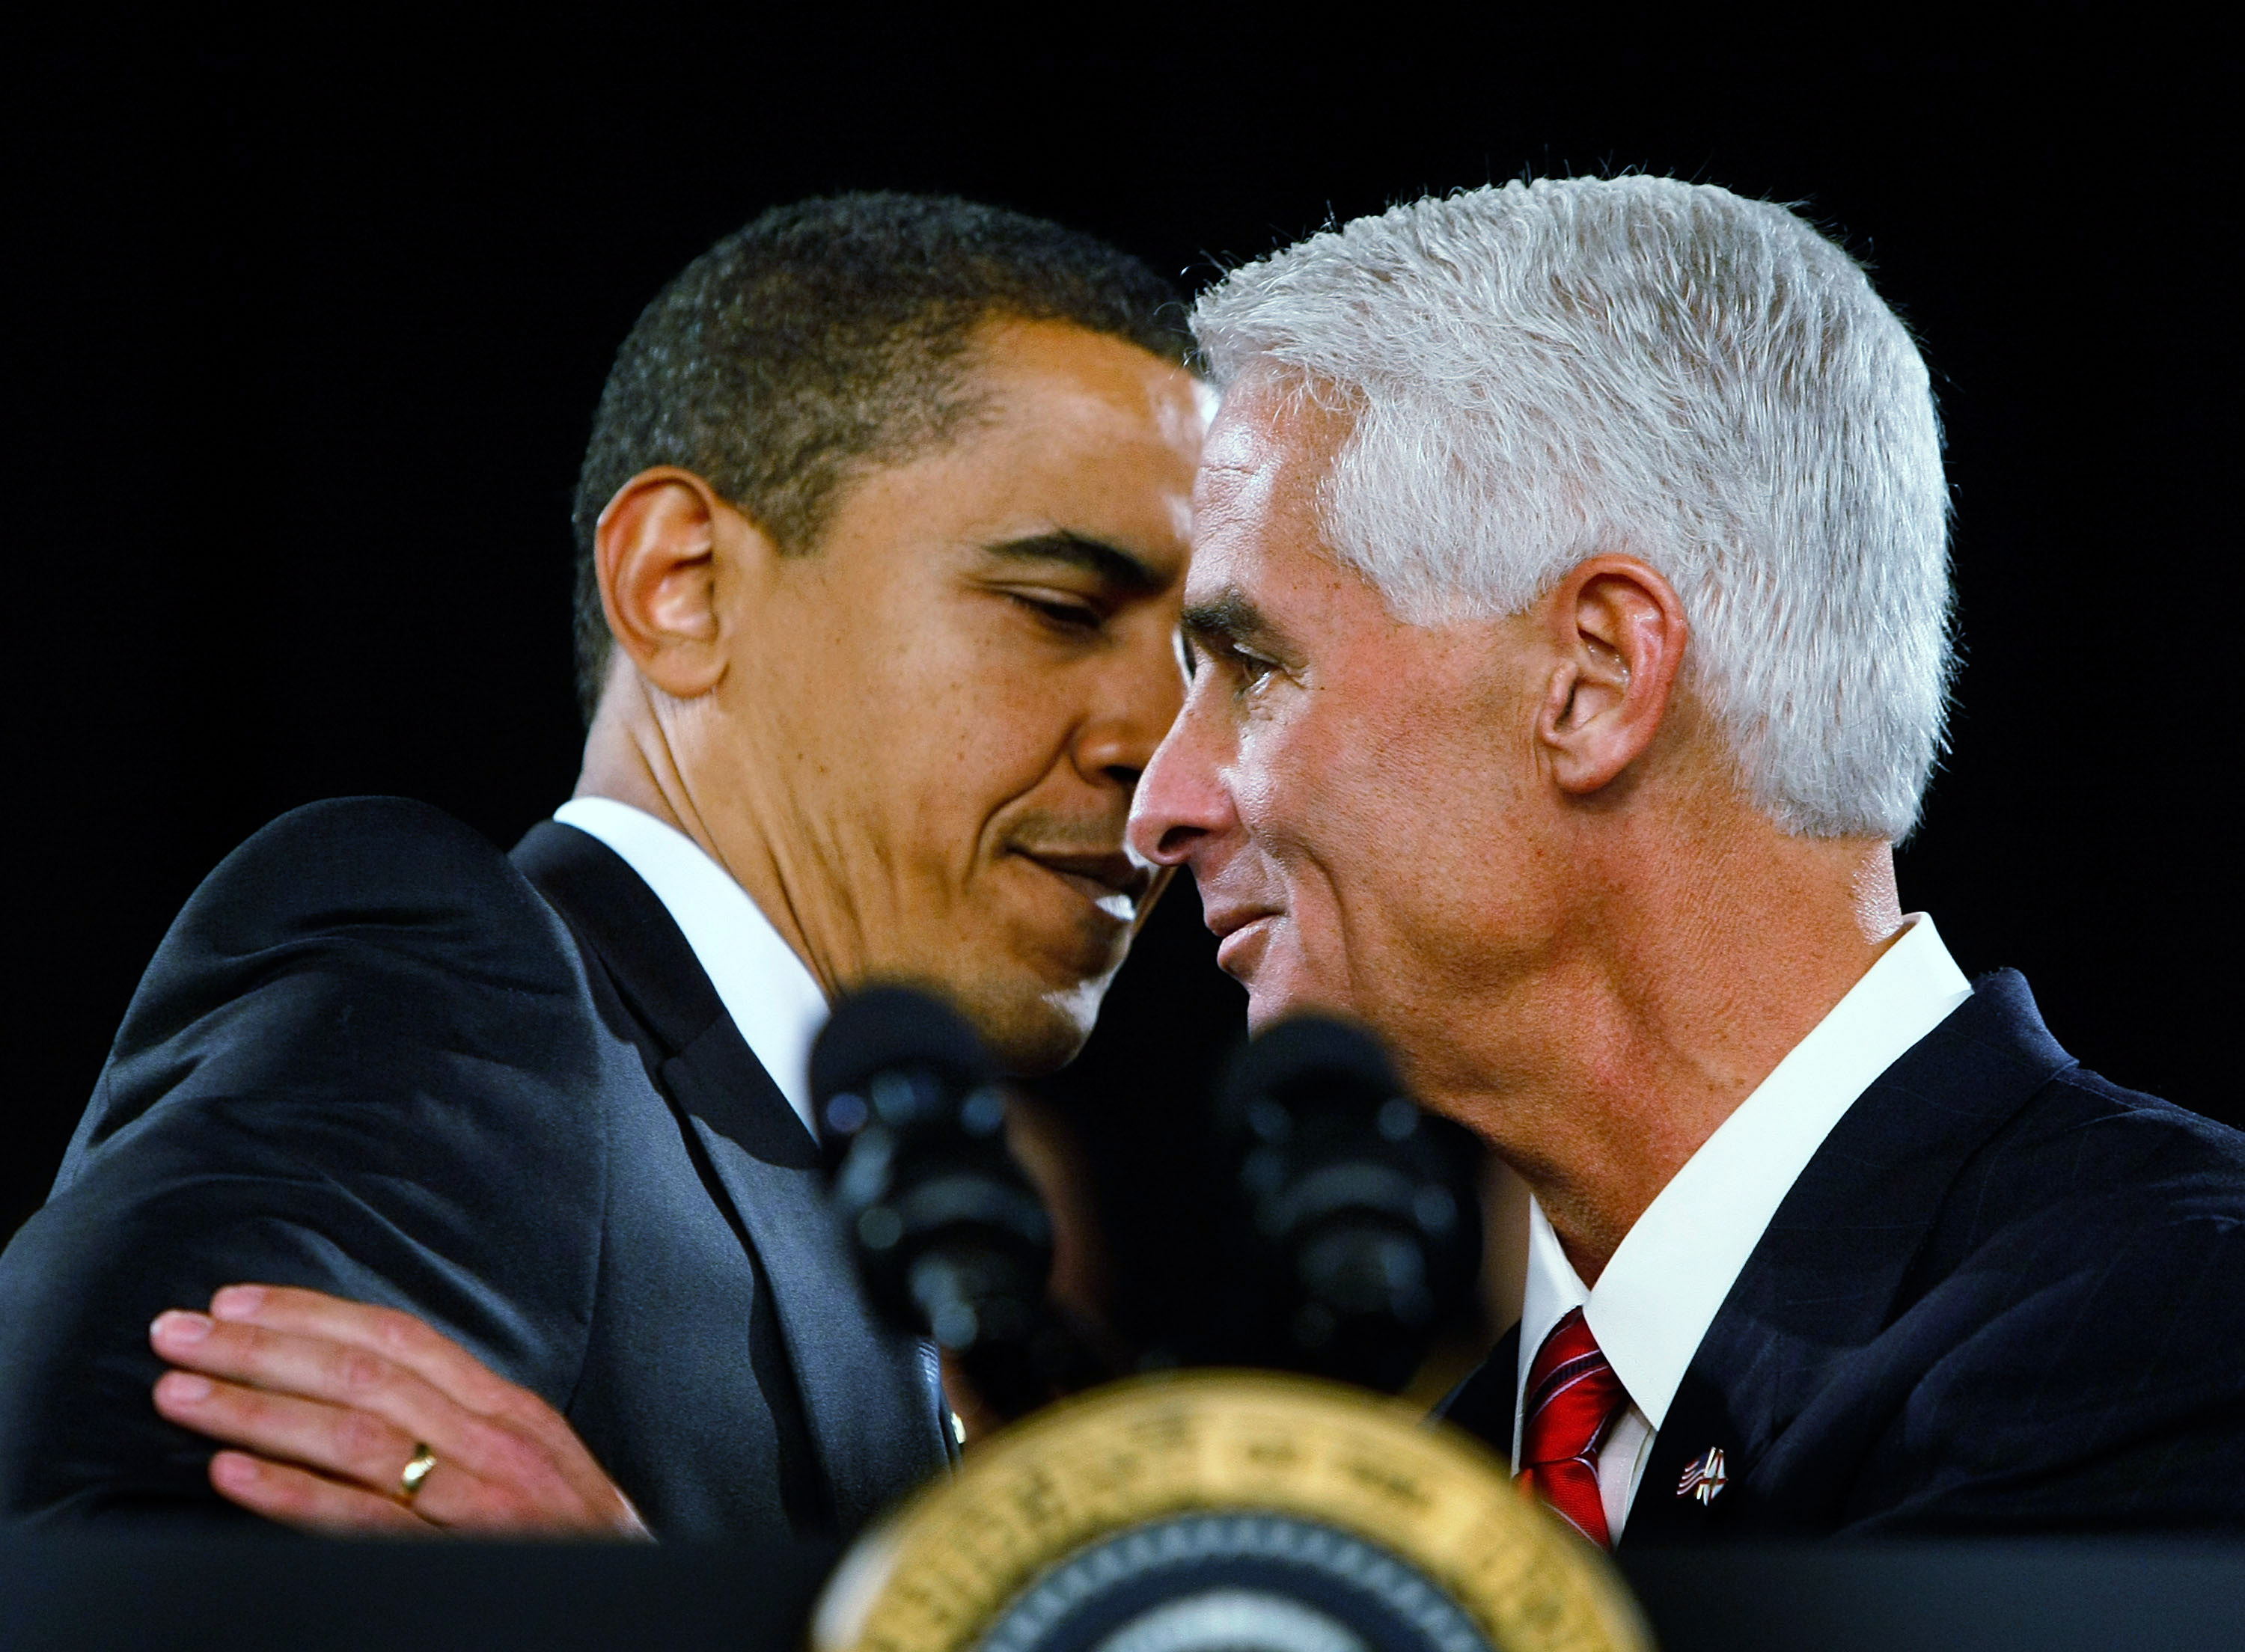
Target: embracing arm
<point>360,1063</point>
<point>334,1400</point>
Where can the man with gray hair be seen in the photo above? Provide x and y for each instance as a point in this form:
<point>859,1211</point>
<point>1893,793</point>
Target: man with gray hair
<point>1569,630</point>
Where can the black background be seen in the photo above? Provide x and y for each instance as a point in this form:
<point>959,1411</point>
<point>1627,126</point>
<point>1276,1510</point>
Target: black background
<point>307,335</point>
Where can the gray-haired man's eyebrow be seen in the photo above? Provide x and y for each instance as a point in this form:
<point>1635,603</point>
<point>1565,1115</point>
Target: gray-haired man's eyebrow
<point>1229,620</point>
<point>1114,566</point>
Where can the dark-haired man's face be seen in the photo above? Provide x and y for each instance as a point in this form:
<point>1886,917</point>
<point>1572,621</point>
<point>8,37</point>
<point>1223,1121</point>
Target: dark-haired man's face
<point>930,727</point>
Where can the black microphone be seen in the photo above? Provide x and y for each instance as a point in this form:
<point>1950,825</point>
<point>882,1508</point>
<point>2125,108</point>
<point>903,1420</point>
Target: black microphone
<point>1359,1226</point>
<point>951,1238</point>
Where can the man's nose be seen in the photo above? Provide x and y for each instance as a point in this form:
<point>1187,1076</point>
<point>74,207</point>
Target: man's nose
<point>1181,803</point>
<point>1136,703</point>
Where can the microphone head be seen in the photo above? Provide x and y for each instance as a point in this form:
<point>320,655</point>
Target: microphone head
<point>951,1239</point>
<point>1358,1233</point>
<point>885,1028</point>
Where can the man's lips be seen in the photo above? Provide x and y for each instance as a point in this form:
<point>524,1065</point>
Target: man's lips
<point>1226,918</point>
<point>1236,927</point>
<point>1110,881</point>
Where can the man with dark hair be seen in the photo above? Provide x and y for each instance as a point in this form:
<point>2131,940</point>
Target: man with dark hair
<point>827,337</point>
<point>881,534</point>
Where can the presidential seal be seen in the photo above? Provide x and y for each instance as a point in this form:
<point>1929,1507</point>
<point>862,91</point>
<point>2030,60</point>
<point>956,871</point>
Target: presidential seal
<point>1225,1511</point>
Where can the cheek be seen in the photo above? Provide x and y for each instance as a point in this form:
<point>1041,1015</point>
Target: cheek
<point>1310,820</point>
<point>960,729</point>
<point>1325,806</point>
<point>1005,737</point>
<point>1389,844</point>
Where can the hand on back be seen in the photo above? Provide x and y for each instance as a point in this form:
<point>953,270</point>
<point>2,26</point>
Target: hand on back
<point>332,1402</point>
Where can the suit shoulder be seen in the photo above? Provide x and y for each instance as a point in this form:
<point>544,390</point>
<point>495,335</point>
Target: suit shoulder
<point>373,880</point>
<point>2096,1097</point>
<point>346,821</point>
<point>365,1059</point>
<point>2098,1192</point>
<point>2085,1142</point>
<point>360,946</point>
<point>360,851</point>
<point>2099,1224</point>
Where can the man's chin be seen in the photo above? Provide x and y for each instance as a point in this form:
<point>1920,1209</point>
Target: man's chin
<point>1032,1034</point>
<point>1029,1026</point>
<point>1037,1019</point>
<point>1275,993</point>
<point>1033,993</point>
<point>1266,1009</point>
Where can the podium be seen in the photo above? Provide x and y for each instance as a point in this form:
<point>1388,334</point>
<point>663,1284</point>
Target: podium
<point>92,1592</point>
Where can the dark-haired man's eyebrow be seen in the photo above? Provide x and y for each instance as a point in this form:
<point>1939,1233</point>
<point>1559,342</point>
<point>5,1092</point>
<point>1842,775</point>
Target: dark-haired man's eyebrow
<point>1114,567</point>
<point>1229,622</point>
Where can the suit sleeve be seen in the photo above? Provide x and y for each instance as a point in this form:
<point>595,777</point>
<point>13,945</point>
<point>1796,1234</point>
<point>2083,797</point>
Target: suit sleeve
<point>363,1061</point>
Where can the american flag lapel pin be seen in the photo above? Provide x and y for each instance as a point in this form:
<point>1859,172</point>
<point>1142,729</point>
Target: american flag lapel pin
<point>1705,1477</point>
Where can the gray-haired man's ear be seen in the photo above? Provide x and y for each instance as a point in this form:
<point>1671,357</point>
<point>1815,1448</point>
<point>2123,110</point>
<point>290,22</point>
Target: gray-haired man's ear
<point>1619,633</point>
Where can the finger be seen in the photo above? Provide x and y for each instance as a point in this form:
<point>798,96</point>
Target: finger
<point>438,1361</point>
<point>498,1473</point>
<point>406,1340</point>
<point>342,1444</point>
<point>299,1497</point>
<point>367,1404</point>
<point>396,1337</point>
<point>350,1449</point>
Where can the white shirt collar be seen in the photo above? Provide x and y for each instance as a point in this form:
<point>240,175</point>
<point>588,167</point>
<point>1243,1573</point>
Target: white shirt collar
<point>1669,1276</point>
<point>765,988</point>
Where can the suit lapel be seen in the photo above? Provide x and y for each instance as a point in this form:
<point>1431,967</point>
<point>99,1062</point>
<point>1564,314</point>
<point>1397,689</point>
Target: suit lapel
<point>1832,1271</point>
<point>1482,1404</point>
<point>1689,1490</point>
<point>870,1408</point>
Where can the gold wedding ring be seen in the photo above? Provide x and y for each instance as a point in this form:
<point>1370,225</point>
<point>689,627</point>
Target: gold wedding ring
<point>416,1471</point>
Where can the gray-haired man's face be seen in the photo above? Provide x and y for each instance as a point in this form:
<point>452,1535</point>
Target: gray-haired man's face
<point>1352,793</point>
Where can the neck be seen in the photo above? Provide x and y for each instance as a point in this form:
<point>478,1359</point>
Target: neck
<point>629,758</point>
<point>1699,965</point>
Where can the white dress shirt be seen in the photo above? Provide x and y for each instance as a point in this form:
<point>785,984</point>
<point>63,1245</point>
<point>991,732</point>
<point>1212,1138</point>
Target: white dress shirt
<point>1669,1276</point>
<point>763,986</point>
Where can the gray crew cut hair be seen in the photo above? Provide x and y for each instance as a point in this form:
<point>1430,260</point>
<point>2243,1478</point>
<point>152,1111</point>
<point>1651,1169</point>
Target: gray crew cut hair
<point>1545,372</point>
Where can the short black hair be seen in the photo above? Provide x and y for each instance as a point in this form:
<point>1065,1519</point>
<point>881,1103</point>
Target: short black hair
<point>824,338</point>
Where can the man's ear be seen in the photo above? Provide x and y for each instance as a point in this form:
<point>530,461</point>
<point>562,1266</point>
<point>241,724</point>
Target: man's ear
<point>662,547</point>
<point>1618,630</point>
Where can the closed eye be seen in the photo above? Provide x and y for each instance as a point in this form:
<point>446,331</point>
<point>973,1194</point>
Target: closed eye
<point>1064,613</point>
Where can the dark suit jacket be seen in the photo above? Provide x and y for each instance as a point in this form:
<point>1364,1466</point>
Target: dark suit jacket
<point>376,1057</point>
<point>2004,1295</point>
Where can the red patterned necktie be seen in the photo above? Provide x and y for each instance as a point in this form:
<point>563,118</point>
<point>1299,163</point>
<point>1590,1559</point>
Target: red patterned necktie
<point>1573,1397</point>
